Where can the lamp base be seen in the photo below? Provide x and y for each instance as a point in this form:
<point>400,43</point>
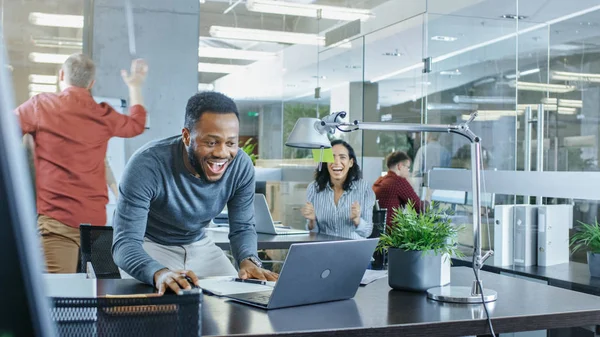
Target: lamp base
<point>464,295</point>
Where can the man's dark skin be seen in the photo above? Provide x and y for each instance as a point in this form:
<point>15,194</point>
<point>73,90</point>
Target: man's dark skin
<point>208,150</point>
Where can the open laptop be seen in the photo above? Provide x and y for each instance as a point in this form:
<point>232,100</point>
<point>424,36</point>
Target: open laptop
<point>316,272</point>
<point>264,221</point>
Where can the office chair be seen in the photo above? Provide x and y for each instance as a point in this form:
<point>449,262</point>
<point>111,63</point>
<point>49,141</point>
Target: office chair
<point>96,247</point>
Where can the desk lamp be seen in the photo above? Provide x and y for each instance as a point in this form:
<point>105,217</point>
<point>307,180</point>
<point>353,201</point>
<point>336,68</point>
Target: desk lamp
<point>311,133</point>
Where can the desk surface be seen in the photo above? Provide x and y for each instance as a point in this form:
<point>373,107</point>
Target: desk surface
<point>377,310</point>
<point>267,241</point>
<point>572,275</point>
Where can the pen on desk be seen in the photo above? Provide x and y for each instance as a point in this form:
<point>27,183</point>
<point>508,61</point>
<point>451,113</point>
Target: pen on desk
<point>250,281</point>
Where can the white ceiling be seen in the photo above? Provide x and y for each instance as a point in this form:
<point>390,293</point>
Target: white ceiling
<point>485,46</point>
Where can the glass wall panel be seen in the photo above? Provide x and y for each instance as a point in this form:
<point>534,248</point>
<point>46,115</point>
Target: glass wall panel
<point>393,65</point>
<point>470,50</point>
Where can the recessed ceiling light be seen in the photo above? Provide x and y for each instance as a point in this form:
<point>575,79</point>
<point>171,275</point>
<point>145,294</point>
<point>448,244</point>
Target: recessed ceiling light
<point>514,16</point>
<point>443,38</point>
<point>395,53</point>
<point>455,72</point>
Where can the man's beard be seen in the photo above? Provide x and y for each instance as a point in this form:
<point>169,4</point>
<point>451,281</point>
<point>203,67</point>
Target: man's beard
<point>194,162</point>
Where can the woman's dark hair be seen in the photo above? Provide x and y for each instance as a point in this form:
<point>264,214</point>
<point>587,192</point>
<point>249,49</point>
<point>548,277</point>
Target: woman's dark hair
<point>322,177</point>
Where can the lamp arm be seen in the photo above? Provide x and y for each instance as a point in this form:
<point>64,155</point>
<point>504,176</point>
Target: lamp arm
<point>460,129</point>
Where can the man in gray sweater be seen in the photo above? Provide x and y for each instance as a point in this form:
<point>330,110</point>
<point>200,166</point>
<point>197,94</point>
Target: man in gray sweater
<point>170,191</point>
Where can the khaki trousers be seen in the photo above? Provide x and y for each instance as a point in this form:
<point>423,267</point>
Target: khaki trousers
<point>60,244</point>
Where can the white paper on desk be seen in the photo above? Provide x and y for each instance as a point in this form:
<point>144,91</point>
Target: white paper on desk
<point>69,285</point>
<point>372,275</point>
<point>218,229</point>
<point>226,286</point>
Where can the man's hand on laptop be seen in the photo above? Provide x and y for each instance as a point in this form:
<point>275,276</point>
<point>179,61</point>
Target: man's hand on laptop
<point>174,280</point>
<point>249,270</point>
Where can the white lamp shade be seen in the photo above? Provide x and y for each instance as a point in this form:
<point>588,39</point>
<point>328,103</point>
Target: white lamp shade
<point>305,135</point>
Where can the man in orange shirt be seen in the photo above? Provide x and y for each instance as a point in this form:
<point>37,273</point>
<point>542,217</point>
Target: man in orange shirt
<point>71,133</point>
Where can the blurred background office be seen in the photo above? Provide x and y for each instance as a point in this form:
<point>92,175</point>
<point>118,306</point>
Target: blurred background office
<point>496,57</point>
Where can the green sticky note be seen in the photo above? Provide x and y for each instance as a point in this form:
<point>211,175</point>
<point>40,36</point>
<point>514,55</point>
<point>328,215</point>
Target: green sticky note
<point>327,155</point>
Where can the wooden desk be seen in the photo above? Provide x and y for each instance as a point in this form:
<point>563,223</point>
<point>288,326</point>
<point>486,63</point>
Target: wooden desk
<point>377,310</point>
<point>267,241</point>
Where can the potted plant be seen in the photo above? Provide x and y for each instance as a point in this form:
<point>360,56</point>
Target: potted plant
<point>588,236</point>
<point>249,147</point>
<point>419,246</point>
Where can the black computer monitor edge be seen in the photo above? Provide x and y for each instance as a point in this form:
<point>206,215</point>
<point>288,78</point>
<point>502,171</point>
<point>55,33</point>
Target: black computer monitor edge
<point>20,211</point>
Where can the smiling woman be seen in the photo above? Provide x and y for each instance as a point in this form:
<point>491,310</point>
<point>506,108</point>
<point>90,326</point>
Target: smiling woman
<point>339,201</point>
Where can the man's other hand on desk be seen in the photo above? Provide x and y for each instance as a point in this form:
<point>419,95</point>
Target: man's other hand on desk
<point>250,270</point>
<point>177,280</point>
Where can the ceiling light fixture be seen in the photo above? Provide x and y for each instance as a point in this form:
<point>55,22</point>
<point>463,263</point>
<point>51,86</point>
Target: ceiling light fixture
<point>42,87</point>
<point>492,115</point>
<point>570,103</point>
<point>56,42</point>
<point>534,107</point>
<point>522,73</point>
<point>549,100</point>
<point>558,88</point>
<point>48,58</point>
<point>309,10</point>
<point>451,106</point>
<point>266,35</point>
<point>455,72</point>
<point>513,16</point>
<point>484,99</point>
<point>56,20</point>
<point>236,54</point>
<point>566,110</point>
<point>444,38</point>
<point>581,77</point>
<point>43,79</point>
<point>395,53</point>
<point>219,68</point>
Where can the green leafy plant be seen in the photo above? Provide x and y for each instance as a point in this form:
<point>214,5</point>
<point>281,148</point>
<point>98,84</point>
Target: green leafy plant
<point>587,236</point>
<point>249,147</point>
<point>426,231</point>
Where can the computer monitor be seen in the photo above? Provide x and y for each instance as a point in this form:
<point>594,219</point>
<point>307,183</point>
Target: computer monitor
<point>448,196</point>
<point>24,308</point>
<point>261,187</point>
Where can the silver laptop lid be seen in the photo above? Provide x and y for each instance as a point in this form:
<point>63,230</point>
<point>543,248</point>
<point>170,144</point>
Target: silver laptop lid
<point>322,272</point>
<point>262,215</point>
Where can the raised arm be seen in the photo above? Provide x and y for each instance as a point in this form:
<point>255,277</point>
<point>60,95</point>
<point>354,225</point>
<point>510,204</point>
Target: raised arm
<point>132,125</point>
<point>137,189</point>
